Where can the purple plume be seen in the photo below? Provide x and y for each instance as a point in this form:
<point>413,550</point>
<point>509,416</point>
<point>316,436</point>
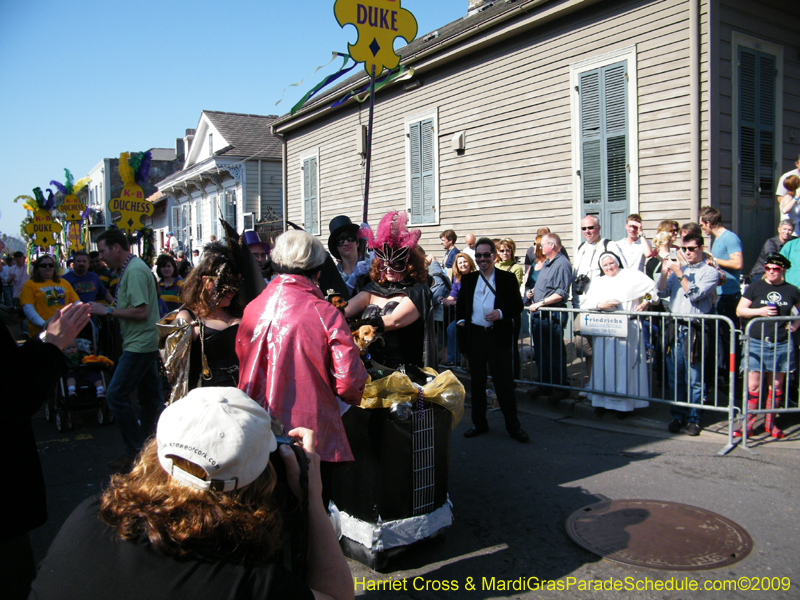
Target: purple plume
<point>144,169</point>
<point>60,187</point>
<point>50,203</point>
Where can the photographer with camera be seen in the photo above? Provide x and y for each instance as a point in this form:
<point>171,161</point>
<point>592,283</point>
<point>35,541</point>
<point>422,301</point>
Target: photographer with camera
<point>197,516</point>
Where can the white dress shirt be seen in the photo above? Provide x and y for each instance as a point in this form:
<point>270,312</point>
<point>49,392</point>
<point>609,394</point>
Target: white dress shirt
<point>483,301</point>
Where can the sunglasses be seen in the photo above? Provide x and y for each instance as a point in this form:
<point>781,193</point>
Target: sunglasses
<point>690,248</point>
<point>504,250</point>
<point>483,254</point>
<point>588,228</point>
<point>46,266</point>
<point>773,269</point>
<point>349,238</point>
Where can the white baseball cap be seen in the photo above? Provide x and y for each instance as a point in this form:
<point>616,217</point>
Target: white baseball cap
<point>220,429</point>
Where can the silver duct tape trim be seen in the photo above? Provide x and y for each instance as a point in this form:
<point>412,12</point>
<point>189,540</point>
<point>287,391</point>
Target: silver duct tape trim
<point>386,535</point>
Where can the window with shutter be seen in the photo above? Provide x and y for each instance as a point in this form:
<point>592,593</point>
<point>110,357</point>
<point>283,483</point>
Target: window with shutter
<point>176,225</point>
<point>422,170</point>
<point>756,114</point>
<point>604,125</point>
<point>756,122</point>
<point>311,195</point>
<point>230,209</point>
<point>198,210</point>
<point>186,221</point>
<point>213,203</point>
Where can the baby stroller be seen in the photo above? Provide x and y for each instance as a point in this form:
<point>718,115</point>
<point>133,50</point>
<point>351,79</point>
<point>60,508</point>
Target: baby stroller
<point>61,406</point>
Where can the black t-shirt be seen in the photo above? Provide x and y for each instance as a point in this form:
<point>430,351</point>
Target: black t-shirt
<point>785,295</point>
<point>87,561</point>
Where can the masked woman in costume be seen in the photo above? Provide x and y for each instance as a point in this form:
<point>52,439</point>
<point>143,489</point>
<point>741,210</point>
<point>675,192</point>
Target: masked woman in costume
<point>198,342</point>
<point>398,301</point>
<point>622,364</point>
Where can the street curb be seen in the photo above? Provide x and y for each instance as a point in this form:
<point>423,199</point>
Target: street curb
<point>651,421</point>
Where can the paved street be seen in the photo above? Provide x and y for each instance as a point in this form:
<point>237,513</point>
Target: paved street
<point>511,501</point>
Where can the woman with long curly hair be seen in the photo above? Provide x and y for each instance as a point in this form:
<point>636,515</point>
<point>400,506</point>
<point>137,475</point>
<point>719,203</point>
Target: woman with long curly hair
<point>211,313</point>
<point>197,517</point>
<point>398,302</point>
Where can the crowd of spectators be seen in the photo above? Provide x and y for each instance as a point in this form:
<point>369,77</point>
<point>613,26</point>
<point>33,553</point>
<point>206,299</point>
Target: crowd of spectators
<point>689,269</point>
<point>694,268</point>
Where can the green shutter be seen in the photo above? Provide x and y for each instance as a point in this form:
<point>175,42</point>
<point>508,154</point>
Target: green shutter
<point>415,171</point>
<point>428,174</point>
<point>422,171</point>
<point>591,162</point>
<point>314,198</point>
<point>756,123</point>
<point>604,146</point>
<point>310,196</point>
<point>747,123</point>
<point>766,123</point>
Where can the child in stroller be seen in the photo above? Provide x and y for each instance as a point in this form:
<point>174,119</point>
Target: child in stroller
<point>82,388</point>
<point>80,372</point>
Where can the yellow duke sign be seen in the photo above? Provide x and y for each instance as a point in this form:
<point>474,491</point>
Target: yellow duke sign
<point>43,229</point>
<point>378,22</point>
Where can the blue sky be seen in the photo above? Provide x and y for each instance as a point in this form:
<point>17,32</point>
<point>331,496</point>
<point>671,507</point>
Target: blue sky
<point>87,79</point>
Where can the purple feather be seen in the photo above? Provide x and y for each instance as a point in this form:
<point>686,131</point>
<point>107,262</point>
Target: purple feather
<point>50,203</point>
<point>144,169</point>
<point>60,187</point>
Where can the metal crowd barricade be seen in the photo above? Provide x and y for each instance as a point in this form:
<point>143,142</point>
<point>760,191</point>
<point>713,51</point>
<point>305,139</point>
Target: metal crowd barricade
<point>718,387</point>
<point>770,327</point>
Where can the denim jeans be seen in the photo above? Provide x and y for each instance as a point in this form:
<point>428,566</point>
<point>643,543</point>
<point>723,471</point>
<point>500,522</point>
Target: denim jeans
<point>677,379</point>
<point>135,371</point>
<point>452,344</point>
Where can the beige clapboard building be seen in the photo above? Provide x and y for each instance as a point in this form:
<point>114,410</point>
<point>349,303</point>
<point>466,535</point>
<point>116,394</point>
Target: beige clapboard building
<point>532,113</point>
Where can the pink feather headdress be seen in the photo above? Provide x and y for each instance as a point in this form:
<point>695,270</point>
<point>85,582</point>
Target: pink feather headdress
<point>392,232</point>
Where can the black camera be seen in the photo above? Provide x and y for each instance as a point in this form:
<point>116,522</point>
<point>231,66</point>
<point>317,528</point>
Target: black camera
<point>581,284</point>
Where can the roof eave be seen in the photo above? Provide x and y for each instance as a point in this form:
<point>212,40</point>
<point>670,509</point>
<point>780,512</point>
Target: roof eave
<point>444,52</point>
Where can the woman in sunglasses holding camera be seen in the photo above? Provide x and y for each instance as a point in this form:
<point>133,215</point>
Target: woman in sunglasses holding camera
<point>398,302</point>
<point>44,293</point>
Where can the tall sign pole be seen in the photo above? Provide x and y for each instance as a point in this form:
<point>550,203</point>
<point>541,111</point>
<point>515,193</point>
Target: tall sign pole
<point>379,23</point>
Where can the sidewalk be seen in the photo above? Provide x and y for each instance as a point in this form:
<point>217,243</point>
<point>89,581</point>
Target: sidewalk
<point>651,421</point>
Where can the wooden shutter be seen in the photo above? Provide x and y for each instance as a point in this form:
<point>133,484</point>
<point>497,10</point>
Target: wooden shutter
<point>422,171</point>
<point>591,177</point>
<point>175,226</point>
<point>310,196</point>
<point>756,183</point>
<point>213,215</point>
<point>604,146</point>
<point>230,209</point>
<point>199,211</point>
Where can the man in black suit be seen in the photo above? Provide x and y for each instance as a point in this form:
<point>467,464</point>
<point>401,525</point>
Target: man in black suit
<point>487,303</point>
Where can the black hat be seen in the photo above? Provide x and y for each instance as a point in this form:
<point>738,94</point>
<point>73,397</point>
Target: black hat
<point>773,258</point>
<point>337,227</point>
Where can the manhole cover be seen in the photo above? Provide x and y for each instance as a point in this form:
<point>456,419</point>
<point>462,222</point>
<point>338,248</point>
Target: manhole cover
<point>659,535</point>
